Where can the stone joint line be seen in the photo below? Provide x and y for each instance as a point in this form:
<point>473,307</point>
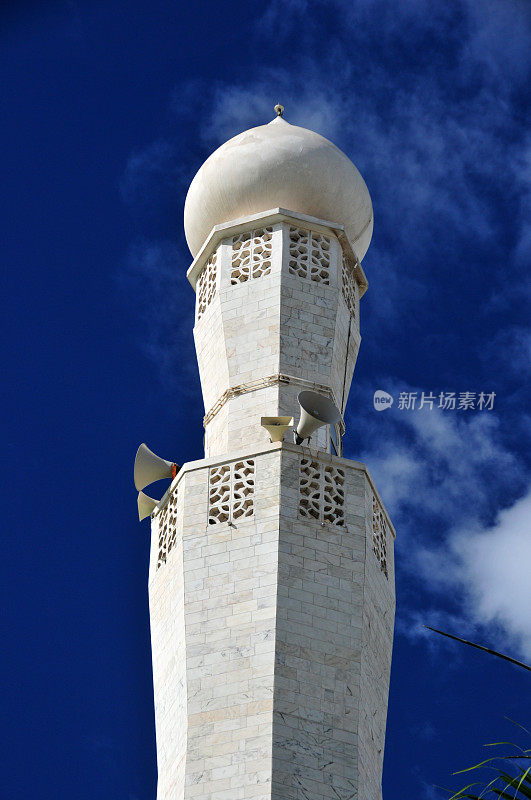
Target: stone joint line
<point>261,383</point>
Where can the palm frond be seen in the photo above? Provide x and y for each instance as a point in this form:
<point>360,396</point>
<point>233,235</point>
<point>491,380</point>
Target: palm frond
<point>504,784</point>
<point>480,647</point>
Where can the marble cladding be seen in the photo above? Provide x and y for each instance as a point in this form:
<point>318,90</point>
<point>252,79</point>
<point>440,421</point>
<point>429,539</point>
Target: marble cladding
<point>271,610</point>
<point>271,639</point>
<point>291,319</point>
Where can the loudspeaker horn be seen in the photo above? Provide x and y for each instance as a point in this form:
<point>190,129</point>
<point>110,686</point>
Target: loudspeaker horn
<point>150,468</point>
<point>316,411</point>
<point>276,426</point>
<point>146,505</point>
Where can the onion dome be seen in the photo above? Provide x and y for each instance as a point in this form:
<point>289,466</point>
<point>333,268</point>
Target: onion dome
<point>278,165</point>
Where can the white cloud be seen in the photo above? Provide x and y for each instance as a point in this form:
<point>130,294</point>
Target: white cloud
<point>412,623</point>
<point>492,566</point>
<point>512,346</point>
<point>493,35</point>
<point>522,172</point>
<point>499,35</point>
<point>145,169</point>
<point>444,476</point>
<point>433,792</point>
<point>439,141</point>
<point>436,166</point>
<point>487,569</point>
<point>443,463</point>
<point>156,282</point>
<point>433,142</point>
<point>429,159</point>
<point>442,146</point>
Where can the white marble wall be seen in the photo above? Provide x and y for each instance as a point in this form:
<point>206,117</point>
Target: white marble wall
<point>271,579</point>
<point>278,687</point>
<point>167,620</point>
<point>279,323</point>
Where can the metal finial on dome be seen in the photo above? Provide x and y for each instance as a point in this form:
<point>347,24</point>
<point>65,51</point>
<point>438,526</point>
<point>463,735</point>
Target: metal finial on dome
<point>279,110</point>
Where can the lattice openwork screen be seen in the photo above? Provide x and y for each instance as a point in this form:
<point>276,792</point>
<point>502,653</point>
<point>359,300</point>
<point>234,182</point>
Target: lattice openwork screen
<point>321,492</point>
<point>379,536</point>
<point>231,491</point>
<point>206,285</point>
<point>251,255</point>
<point>309,255</point>
<point>349,288</point>
<point>334,495</point>
<point>167,529</point>
<point>310,489</point>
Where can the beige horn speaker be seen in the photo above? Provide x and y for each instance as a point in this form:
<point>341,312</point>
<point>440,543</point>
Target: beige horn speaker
<point>316,411</point>
<point>146,505</point>
<point>276,426</point>
<point>150,468</point>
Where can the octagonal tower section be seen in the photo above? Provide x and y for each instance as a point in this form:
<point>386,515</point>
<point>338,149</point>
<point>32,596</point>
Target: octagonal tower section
<point>277,312</point>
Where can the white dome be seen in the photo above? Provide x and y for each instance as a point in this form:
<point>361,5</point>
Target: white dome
<point>278,166</point>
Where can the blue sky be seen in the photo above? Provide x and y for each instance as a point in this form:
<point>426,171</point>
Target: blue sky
<point>109,109</point>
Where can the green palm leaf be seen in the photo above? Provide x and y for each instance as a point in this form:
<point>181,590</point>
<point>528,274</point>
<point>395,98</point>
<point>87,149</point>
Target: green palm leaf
<point>503,785</point>
<point>460,794</point>
<point>514,782</point>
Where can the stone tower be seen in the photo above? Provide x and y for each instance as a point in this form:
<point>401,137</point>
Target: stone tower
<point>271,581</point>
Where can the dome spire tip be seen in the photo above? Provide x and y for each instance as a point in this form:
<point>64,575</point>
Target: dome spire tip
<point>279,110</point>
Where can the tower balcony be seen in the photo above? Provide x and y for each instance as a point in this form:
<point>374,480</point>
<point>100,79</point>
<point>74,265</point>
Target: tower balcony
<point>271,590</point>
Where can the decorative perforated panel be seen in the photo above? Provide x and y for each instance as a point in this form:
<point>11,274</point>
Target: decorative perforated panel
<point>206,285</point>
<point>251,255</point>
<point>321,492</point>
<point>350,290</point>
<point>299,245</point>
<point>167,529</point>
<point>309,255</point>
<point>231,491</point>
<point>310,489</point>
<point>219,494</point>
<point>333,495</point>
<point>242,489</point>
<point>379,536</point>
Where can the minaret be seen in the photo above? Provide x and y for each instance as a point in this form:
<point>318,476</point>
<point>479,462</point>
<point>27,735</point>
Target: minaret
<point>271,581</point>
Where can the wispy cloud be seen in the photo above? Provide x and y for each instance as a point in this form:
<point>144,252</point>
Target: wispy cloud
<point>499,34</point>
<point>430,792</point>
<point>454,465</point>
<point>491,564</point>
<point>522,168</point>
<point>148,172</point>
<point>457,494</point>
<point>487,567</point>
<point>427,172</point>
<point>441,141</point>
<point>154,277</point>
<point>512,344</point>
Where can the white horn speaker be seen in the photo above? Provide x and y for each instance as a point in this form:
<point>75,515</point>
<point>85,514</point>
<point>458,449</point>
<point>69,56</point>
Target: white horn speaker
<point>150,468</point>
<point>316,411</point>
<point>276,426</point>
<point>146,505</point>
